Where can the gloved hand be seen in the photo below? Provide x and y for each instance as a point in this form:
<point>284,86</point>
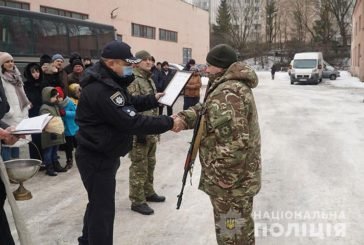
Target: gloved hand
<point>62,112</point>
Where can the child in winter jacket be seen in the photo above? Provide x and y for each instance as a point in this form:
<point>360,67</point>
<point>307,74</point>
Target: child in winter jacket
<point>68,113</point>
<point>51,141</point>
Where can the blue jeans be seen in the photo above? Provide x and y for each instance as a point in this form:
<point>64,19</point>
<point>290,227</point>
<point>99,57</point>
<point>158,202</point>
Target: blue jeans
<point>50,155</point>
<point>8,153</point>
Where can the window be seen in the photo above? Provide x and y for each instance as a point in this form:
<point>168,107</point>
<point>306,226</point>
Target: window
<point>359,23</point>
<point>359,56</point>
<point>142,31</point>
<point>187,55</point>
<point>13,4</point>
<point>166,35</point>
<point>30,34</point>
<point>62,12</point>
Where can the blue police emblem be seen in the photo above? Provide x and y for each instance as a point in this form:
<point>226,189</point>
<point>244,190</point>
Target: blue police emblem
<point>118,99</point>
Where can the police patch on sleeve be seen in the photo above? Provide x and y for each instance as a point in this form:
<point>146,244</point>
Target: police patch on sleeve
<point>118,99</point>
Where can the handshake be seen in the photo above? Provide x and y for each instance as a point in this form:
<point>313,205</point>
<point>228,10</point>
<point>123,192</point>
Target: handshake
<point>178,124</point>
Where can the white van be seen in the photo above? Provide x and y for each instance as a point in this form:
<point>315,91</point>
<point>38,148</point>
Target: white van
<point>307,68</point>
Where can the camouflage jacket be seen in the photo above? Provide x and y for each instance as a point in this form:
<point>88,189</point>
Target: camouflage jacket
<point>143,85</point>
<point>230,145</point>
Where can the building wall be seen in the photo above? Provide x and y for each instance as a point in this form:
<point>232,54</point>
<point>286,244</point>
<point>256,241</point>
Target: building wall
<point>357,44</point>
<point>191,23</point>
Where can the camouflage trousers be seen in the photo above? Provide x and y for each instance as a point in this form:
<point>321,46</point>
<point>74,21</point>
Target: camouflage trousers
<point>141,171</point>
<point>234,224</point>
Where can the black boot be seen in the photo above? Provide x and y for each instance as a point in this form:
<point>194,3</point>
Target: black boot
<point>58,168</point>
<point>69,163</point>
<point>50,170</point>
<point>142,209</point>
<point>155,198</point>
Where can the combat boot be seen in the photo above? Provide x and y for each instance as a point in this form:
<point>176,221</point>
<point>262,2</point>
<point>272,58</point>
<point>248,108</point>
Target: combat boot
<point>50,170</point>
<point>58,168</point>
<point>142,209</point>
<point>69,163</point>
<point>155,198</point>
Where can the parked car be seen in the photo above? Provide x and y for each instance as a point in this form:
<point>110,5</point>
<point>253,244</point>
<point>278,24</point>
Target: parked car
<point>175,66</point>
<point>330,72</point>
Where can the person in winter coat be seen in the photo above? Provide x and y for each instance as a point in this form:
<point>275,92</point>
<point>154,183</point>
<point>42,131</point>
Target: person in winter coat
<point>74,92</point>
<point>17,100</point>
<point>192,89</point>
<point>51,141</point>
<point>77,71</point>
<point>165,76</point>
<point>33,74</point>
<point>143,153</point>
<point>108,118</point>
<point>229,150</point>
<point>273,70</point>
<point>54,75</point>
<point>9,139</point>
<point>68,113</point>
<point>87,62</point>
<point>74,56</point>
<point>190,64</point>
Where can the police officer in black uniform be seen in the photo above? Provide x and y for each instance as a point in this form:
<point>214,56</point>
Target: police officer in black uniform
<point>107,117</point>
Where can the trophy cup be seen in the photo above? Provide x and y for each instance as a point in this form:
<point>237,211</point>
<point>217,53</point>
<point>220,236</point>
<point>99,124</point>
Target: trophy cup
<point>20,170</point>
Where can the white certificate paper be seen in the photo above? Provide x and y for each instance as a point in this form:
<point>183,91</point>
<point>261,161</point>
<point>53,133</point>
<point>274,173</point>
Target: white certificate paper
<point>175,87</point>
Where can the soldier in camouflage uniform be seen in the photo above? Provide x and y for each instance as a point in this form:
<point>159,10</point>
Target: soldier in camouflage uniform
<point>144,146</point>
<point>230,145</point>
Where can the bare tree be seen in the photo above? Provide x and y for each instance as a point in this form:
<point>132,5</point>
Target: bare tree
<point>341,9</point>
<point>243,13</point>
<point>271,23</point>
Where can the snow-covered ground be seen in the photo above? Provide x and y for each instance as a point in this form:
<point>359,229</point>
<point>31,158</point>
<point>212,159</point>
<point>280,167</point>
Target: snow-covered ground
<point>313,177</point>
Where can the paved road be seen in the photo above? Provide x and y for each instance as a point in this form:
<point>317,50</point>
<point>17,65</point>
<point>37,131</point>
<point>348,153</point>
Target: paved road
<point>312,179</point>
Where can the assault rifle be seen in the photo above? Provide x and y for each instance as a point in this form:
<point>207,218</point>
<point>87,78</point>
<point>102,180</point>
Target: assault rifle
<point>192,152</point>
<point>194,145</point>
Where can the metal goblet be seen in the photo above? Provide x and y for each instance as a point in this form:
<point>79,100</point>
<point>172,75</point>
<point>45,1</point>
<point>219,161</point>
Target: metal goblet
<point>20,170</point>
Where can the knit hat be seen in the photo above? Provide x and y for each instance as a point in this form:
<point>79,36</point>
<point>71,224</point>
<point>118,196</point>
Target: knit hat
<point>119,50</point>
<point>142,55</point>
<point>76,62</point>
<point>5,57</point>
<point>45,58</point>
<point>222,56</point>
<point>74,56</point>
<point>57,57</point>
<point>60,92</point>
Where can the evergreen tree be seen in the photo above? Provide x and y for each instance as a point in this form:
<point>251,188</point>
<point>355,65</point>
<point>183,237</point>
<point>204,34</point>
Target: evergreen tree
<point>222,29</point>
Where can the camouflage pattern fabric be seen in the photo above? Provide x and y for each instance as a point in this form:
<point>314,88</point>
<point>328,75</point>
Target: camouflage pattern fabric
<point>230,146</point>
<point>142,155</point>
<point>234,224</point>
<point>141,170</point>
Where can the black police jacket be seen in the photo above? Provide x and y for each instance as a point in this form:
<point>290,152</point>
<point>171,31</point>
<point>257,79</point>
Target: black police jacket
<point>107,114</point>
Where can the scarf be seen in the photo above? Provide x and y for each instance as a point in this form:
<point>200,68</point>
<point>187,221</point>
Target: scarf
<point>13,77</point>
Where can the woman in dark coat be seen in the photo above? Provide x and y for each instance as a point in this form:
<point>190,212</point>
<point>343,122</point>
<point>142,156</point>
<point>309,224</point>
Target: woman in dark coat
<point>33,89</point>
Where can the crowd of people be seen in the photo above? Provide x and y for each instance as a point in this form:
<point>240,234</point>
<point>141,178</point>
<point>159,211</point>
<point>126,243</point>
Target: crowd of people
<point>110,109</point>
